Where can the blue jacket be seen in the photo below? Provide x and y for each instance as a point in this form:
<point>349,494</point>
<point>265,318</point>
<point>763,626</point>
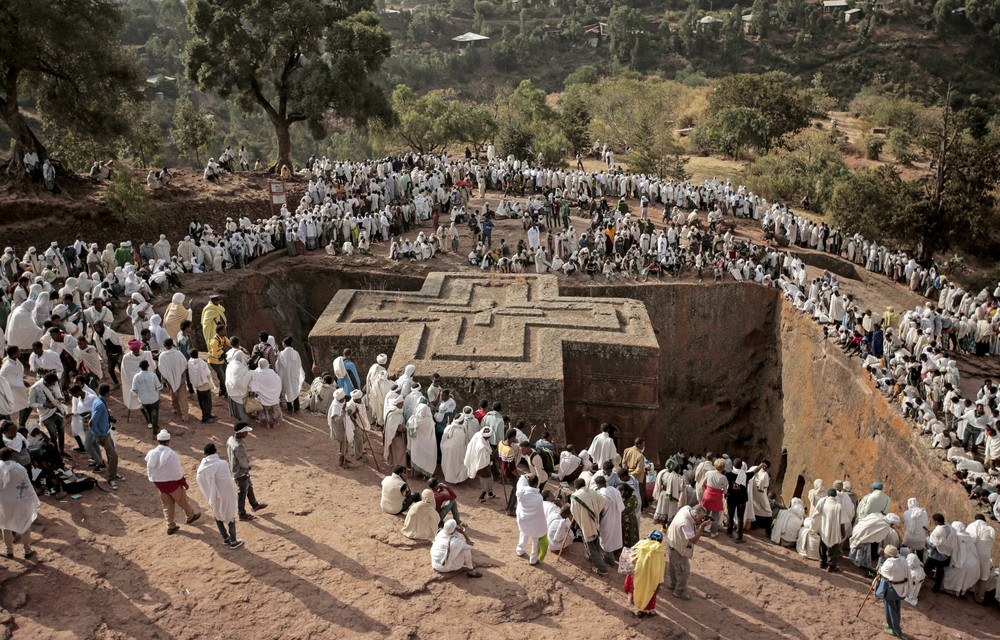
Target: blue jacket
<point>100,420</point>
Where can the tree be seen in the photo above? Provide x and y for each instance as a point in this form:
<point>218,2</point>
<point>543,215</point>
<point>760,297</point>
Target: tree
<point>760,22</point>
<point>774,95</point>
<point>736,129</point>
<point>638,114</point>
<point>127,201</point>
<point>430,122</point>
<point>146,139</point>
<point>298,60</point>
<point>66,55</point>
<point>961,200</point>
<point>732,36</point>
<point>625,32</point>
<point>879,204</point>
<point>193,131</point>
<point>574,121</point>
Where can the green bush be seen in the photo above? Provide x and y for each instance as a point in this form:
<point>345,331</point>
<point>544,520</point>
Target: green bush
<point>127,201</point>
<point>873,146</point>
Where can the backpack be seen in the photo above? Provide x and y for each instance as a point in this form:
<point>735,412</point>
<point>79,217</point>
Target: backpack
<point>548,459</point>
<point>255,357</point>
<point>78,483</point>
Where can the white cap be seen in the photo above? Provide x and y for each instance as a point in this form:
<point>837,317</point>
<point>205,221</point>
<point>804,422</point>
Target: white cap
<point>381,359</point>
<point>245,429</point>
<point>163,435</point>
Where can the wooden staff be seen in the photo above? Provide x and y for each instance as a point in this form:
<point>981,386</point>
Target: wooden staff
<point>566,537</point>
<point>874,582</point>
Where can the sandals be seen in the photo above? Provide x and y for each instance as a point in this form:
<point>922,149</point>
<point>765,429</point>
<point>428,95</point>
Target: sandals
<point>473,574</point>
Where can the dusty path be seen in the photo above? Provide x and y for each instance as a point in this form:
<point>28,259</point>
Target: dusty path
<point>322,561</point>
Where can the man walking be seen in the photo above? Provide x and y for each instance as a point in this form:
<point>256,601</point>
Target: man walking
<point>146,387</point>
<point>163,468</point>
<point>100,432</point>
<point>172,365</point>
<point>218,487</point>
<point>218,346</point>
<point>239,466</point>
<point>198,374</point>
<point>683,533</point>
<point>586,507</point>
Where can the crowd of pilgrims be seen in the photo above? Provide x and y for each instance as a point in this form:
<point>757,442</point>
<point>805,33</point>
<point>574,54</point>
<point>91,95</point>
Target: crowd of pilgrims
<point>604,498</point>
<point>348,206</point>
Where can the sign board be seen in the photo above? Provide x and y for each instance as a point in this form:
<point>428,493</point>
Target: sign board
<point>278,196</point>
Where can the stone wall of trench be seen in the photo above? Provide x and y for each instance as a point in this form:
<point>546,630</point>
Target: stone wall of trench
<point>836,424</point>
<point>739,371</point>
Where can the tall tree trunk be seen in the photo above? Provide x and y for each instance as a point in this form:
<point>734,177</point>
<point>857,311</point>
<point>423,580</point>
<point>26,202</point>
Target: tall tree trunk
<point>24,138</point>
<point>283,134</point>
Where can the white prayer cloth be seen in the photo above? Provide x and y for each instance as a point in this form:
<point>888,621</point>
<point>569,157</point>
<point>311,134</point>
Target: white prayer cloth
<point>18,502</point>
<point>453,447</point>
<point>530,510</point>
<point>477,453</point>
<point>172,365</point>
<point>423,442</point>
<point>289,369</point>
<point>130,367</point>
<point>611,519</point>
<point>216,482</point>
<point>266,384</point>
<point>602,448</point>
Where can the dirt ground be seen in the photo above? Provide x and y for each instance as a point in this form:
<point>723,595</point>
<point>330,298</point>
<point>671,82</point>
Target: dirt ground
<point>323,561</point>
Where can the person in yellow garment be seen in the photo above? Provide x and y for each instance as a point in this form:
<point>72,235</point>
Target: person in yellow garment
<point>643,583</point>
<point>212,316</point>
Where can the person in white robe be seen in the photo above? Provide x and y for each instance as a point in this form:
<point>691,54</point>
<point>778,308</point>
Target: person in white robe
<point>13,372</point>
<point>453,446</point>
<point>668,493</point>
<point>963,572</point>
<point>405,381</point>
<point>983,535</point>
<point>785,528</point>
<point>374,371</point>
<point>916,580</point>
<point>478,455</point>
<point>130,368</point>
<point>422,518</point>
<point>914,522</point>
<point>172,364</point>
<point>602,448</point>
<point>611,520</point>
<point>21,328</point>
<point>829,520</point>
<point>807,542</point>
<point>412,400</point>
<point>451,551</point>
<point>421,439</point>
<point>216,482</point>
<point>266,384</point>
<point>18,505</point>
<point>531,523</point>
<point>558,521</point>
<point>293,376</point>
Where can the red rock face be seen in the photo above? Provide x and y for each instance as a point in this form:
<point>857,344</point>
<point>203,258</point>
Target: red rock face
<point>737,371</point>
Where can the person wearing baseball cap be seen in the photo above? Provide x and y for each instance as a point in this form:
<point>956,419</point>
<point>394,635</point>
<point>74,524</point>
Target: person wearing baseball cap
<point>239,466</point>
<point>163,467</point>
